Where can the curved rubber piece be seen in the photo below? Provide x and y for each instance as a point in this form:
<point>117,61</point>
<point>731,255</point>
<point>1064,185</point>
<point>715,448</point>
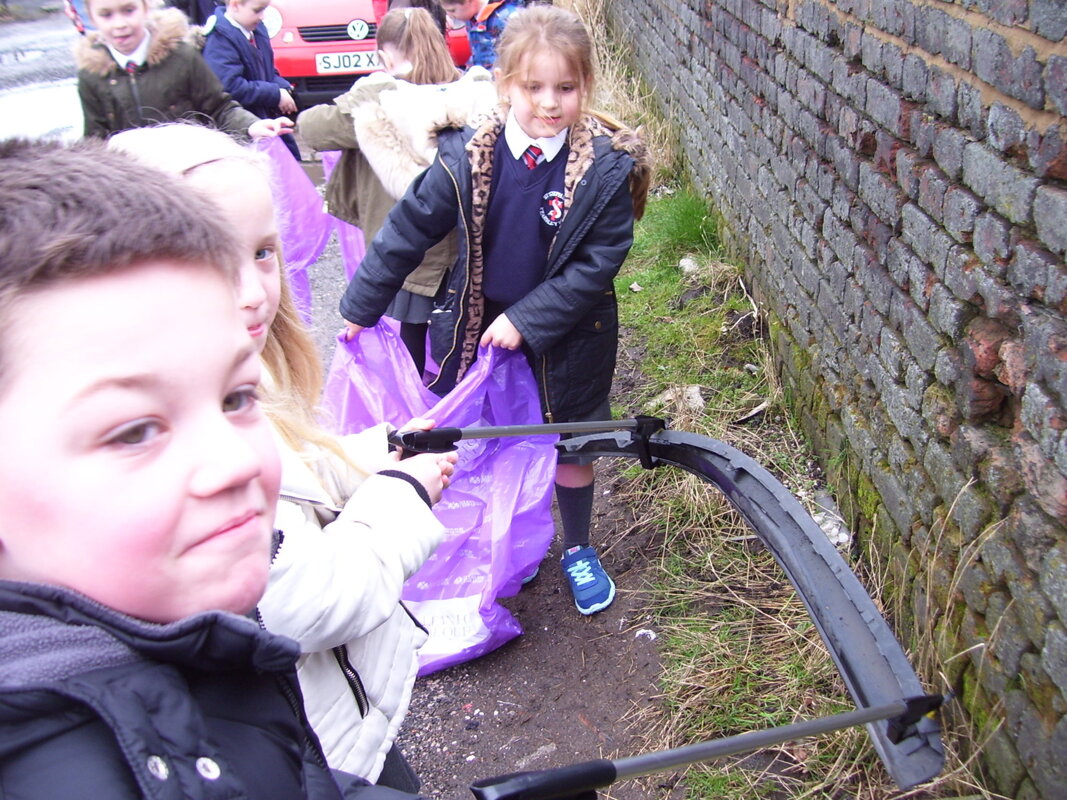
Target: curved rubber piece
<point>868,656</point>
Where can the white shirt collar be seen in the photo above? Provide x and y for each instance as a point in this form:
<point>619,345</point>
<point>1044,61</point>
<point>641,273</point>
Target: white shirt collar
<point>138,56</point>
<point>248,34</point>
<point>517,140</point>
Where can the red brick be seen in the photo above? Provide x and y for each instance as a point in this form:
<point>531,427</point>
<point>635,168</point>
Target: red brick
<point>982,345</point>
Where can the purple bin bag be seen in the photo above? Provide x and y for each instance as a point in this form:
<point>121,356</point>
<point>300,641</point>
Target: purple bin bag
<point>353,244</point>
<point>303,226</point>
<point>498,508</point>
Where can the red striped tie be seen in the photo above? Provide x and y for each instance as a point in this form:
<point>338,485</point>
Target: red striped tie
<point>131,67</point>
<point>530,156</point>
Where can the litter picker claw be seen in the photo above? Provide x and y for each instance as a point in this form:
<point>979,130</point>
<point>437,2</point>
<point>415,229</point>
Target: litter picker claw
<point>868,656</point>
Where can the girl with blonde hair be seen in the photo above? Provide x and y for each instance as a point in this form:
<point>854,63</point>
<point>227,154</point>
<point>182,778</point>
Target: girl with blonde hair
<point>353,521</point>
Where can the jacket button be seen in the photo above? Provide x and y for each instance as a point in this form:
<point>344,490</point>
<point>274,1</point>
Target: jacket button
<point>208,768</point>
<point>158,768</point>
<point>598,324</point>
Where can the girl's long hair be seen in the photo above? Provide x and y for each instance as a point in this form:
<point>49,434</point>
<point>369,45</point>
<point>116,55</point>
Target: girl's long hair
<point>536,30</point>
<point>290,355</point>
<point>413,32</point>
<point>543,29</point>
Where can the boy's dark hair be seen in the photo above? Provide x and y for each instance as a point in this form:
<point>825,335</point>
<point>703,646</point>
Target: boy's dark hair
<point>433,6</point>
<point>80,210</point>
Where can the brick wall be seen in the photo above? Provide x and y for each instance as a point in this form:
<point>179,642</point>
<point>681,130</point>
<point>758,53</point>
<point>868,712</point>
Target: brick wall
<point>896,172</point>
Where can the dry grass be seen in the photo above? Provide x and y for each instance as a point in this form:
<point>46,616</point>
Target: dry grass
<point>620,93</point>
<point>739,649</point>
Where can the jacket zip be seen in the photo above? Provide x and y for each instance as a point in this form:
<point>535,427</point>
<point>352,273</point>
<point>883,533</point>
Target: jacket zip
<point>340,653</point>
<point>461,300</point>
<point>549,416</point>
<point>355,683</point>
<point>297,707</point>
<point>136,98</point>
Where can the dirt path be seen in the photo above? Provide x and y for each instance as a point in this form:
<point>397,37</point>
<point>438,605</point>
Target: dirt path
<point>570,689</point>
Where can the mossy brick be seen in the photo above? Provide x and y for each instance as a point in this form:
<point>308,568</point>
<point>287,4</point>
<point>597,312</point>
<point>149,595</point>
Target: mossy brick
<point>1002,762</point>
<point>880,194</point>
<point>1056,81</point>
<point>871,52</point>
<point>1001,184</point>
<point>1048,20</point>
<point>1007,132</point>
<point>887,108</point>
<point>1028,791</point>
<point>960,210</point>
<point>922,340</point>
<point>948,365</point>
<point>1043,418</point>
<point>1032,268</point>
<point>1033,608</point>
<point>1050,218</point>
<point>976,585</point>
<point>1034,743</point>
<point>916,379</point>
<point>973,510</point>
<point>1000,554</point>
<point>928,241</point>
<point>1047,150</point>
<point>915,76</point>
<point>896,17</point>
<point>942,95</point>
<point>970,109</point>
<point>939,411</point>
<point>1045,338</point>
<point>874,278</point>
<point>948,314</point>
<point>1053,580</point>
<point>932,187</point>
<point>941,468</point>
<point>893,495</point>
<point>1034,534</point>
<point>930,29</point>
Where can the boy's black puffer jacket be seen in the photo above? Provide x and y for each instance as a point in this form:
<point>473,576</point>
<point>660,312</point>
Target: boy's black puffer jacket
<point>95,704</point>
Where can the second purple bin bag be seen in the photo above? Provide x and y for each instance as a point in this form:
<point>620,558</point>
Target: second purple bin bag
<point>498,509</point>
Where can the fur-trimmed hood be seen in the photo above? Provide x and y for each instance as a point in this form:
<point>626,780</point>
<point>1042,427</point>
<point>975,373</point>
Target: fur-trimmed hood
<point>396,122</point>
<point>167,26</point>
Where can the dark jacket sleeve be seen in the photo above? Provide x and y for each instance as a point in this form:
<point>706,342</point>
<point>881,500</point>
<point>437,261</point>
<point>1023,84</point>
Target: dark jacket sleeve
<point>423,217</point>
<point>222,55</point>
<point>555,306</point>
<point>210,98</point>
<point>93,110</point>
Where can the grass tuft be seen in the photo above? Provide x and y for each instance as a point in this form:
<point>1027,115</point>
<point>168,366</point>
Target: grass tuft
<point>738,648</point>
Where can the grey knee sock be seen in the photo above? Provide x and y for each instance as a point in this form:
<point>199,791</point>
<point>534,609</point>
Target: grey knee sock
<point>575,511</point>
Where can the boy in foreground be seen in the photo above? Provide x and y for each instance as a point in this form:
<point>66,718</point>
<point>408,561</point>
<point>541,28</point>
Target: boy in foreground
<point>137,491</point>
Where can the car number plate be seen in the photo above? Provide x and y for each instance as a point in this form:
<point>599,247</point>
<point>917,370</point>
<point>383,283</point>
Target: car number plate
<point>346,62</point>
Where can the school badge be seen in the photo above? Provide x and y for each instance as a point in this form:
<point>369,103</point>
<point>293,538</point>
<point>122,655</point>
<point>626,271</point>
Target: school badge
<point>552,208</point>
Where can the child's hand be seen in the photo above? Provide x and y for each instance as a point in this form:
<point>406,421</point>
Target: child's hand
<point>433,470</point>
<point>266,128</point>
<point>286,103</point>
<point>502,334</point>
<point>351,331</point>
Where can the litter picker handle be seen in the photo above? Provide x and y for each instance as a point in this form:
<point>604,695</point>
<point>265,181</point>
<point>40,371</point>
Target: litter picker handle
<point>442,440</point>
<point>579,780</point>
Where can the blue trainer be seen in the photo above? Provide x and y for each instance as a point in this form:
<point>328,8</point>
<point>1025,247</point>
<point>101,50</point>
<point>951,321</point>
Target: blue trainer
<point>593,590</point>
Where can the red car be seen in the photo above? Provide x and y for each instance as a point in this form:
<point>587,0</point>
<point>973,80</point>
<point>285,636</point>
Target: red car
<point>321,47</point>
